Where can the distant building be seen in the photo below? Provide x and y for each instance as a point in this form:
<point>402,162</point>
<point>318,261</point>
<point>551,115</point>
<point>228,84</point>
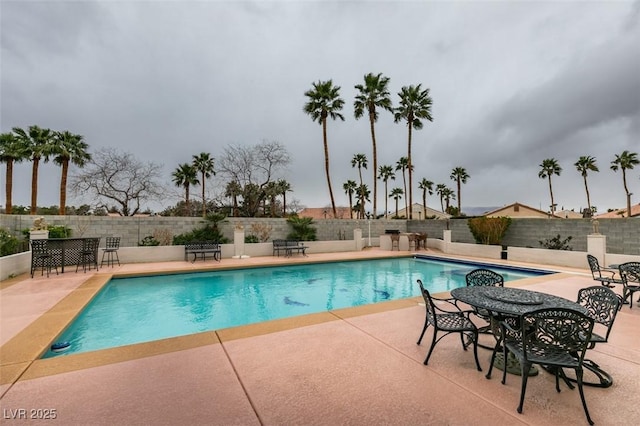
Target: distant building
<point>326,213</point>
<point>620,213</point>
<point>419,213</point>
<point>518,210</point>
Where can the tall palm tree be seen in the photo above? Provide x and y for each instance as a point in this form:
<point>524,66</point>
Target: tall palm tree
<point>426,186</point>
<point>396,194</point>
<point>350,188</point>
<point>386,173</point>
<point>403,164</point>
<point>284,187</point>
<point>441,190</point>
<point>448,195</point>
<point>38,143</point>
<point>460,175</point>
<point>204,164</point>
<point>415,105</point>
<point>324,101</point>
<point>624,161</point>
<point>583,165</point>
<point>11,152</point>
<point>185,176</point>
<point>233,190</point>
<point>550,167</point>
<point>373,94</point>
<point>68,148</point>
<point>362,195</point>
<point>360,161</point>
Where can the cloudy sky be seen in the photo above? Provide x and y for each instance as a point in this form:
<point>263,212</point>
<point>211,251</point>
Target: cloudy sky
<point>512,83</point>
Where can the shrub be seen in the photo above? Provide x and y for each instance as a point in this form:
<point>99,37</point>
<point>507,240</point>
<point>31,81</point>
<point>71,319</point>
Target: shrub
<point>557,243</point>
<point>8,243</point>
<point>302,229</point>
<point>59,231</point>
<point>163,236</point>
<point>251,239</point>
<point>209,232</point>
<point>489,230</point>
<point>149,240</point>
<point>261,231</point>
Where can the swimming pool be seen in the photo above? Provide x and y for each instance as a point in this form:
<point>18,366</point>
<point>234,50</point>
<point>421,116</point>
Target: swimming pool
<point>141,309</point>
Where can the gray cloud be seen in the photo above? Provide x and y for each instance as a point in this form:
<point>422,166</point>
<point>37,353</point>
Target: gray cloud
<point>512,84</point>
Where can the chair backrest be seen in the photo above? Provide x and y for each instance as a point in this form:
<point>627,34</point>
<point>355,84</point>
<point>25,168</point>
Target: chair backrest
<point>630,271</point>
<point>484,277</point>
<point>602,305</point>
<point>91,244</point>
<point>594,265</point>
<point>112,242</point>
<point>432,318</point>
<point>551,330</point>
<point>39,246</point>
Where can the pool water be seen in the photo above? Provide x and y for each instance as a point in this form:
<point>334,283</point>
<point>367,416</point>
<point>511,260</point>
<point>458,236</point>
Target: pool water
<point>141,309</point>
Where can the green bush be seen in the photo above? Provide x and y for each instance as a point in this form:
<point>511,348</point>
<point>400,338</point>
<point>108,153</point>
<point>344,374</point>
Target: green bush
<point>8,243</point>
<point>489,230</point>
<point>209,232</point>
<point>59,231</point>
<point>302,229</point>
<point>149,241</point>
<point>251,239</point>
<point>557,243</point>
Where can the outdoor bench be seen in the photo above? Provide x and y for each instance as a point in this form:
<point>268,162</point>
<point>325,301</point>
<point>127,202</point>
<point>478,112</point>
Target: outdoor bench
<point>288,246</point>
<point>202,249</point>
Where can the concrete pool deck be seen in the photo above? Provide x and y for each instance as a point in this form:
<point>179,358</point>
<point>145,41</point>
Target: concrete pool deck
<point>349,366</point>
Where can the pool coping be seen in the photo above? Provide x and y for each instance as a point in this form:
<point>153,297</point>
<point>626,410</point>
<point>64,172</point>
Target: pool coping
<point>21,354</point>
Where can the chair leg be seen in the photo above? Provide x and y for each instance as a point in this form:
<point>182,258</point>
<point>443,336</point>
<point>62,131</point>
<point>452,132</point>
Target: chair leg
<point>525,376</point>
<point>579,372</point>
<point>475,351</point>
<point>433,345</point>
<point>426,324</point>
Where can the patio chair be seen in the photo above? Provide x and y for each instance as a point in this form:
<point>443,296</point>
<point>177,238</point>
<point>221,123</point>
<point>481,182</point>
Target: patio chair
<point>484,277</point>
<point>454,321</point>
<point>555,338</point>
<point>605,276</point>
<point>395,241</point>
<point>89,254</point>
<point>602,306</point>
<point>41,256</point>
<point>112,244</point>
<point>630,274</point>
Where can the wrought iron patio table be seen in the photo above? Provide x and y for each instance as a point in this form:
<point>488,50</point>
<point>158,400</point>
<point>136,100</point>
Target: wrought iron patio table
<point>511,302</point>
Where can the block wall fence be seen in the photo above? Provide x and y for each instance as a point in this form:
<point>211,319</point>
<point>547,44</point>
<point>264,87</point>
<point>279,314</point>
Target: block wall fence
<point>623,235</point>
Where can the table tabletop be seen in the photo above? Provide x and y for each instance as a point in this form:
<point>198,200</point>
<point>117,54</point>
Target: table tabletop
<point>511,301</point>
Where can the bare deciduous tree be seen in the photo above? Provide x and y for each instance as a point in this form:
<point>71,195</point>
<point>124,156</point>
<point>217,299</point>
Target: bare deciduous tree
<point>120,178</point>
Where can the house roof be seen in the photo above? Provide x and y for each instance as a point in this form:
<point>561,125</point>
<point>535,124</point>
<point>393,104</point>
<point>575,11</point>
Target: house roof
<point>620,213</point>
<point>519,206</point>
<point>325,212</point>
<point>419,208</point>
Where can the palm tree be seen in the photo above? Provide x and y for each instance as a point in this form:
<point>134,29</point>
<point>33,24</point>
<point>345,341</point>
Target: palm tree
<point>271,191</point>
<point>362,195</point>
<point>625,161</point>
<point>350,187</point>
<point>68,148</point>
<point>284,187</point>
<point>459,174</point>
<point>426,186</point>
<point>403,165</point>
<point>360,161</point>
<point>324,101</point>
<point>415,105</point>
<point>440,190</point>
<point>373,94</point>
<point>37,143</point>
<point>185,176</point>
<point>11,151</point>
<point>203,163</point>
<point>386,173</point>
<point>448,195</point>
<point>396,194</point>
<point>583,165</point>
<point>232,190</point>
<point>550,167</point>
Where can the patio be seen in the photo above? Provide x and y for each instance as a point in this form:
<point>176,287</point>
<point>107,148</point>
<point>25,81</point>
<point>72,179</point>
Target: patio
<point>349,366</point>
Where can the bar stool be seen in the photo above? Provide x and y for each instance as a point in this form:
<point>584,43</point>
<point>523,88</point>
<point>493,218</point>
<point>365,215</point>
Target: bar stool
<point>41,255</point>
<point>111,249</point>
<point>89,254</point>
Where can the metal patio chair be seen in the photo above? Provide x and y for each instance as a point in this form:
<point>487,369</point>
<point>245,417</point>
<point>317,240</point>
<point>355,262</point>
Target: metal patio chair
<point>454,321</point>
<point>112,244</point>
<point>630,274</point>
<point>604,276</point>
<point>41,256</point>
